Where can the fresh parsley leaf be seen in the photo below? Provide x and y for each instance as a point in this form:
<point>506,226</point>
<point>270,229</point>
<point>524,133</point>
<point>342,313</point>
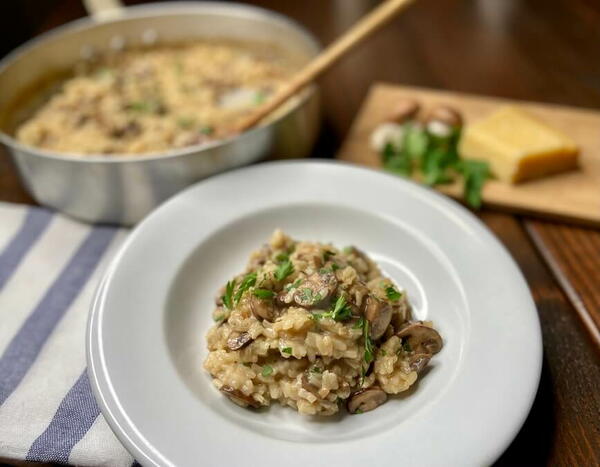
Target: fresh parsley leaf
<point>416,141</point>
<point>287,350</point>
<point>392,293</point>
<point>327,254</point>
<point>259,97</point>
<point>368,343</point>
<point>436,165</point>
<point>396,160</point>
<point>475,173</point>
<point>359,324</point>
<point>185,122</point>
<point>334,266</point>
<point>284,270</point>
<point>341,310</point>
<point>264,294</point>
<point>248,281</point>
<point>316,369</point>
<point>307,295</point>
<point>267,370</point>
<point>227,298</point>
<point>296,283</point>
<point>282,257</point>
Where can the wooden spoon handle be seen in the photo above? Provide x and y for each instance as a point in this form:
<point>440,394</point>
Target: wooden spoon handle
<point>360,31</point>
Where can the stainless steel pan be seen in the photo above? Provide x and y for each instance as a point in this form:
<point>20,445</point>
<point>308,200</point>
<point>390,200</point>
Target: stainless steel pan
<point>121,189</point>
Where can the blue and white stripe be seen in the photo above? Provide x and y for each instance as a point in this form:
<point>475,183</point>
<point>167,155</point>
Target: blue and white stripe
<point>49,268</point>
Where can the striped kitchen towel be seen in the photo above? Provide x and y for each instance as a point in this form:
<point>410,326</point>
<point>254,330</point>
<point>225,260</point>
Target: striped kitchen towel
<point>49,268</point>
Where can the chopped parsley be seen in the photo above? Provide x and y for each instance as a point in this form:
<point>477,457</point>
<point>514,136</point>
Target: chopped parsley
<point>287,350</point>
<point>437,159</point>
<point>264,294</point>
<point>267,370</point>
<point>341,310</point>
<point>185,122</point>
<point>248,281</point>
<point>206,130</point>
<point>228,297</point>
<point>392,293</point>
<point>284,269</point>
<point>348,250</point>
<point>316,369</point>
<point>475,173</point>
<point>307,295</point>
<point>368,343</point>
<point>259,97</point>
<point>328,254</point>
<point>282,257</point>
<point>334,266</point>
<point>359,324</point>
<point>296,283</point>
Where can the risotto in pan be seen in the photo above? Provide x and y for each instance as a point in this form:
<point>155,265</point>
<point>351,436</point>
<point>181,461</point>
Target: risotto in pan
<point>157,98</point>
<point>315,328</point>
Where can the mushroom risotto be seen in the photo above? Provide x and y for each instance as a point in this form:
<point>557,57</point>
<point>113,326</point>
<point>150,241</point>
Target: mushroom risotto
<point>157,98</point>
<point>314,327</point>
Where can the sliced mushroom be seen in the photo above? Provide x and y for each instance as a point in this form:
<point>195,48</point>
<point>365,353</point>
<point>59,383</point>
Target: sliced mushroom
<point>237,342</point>
<point>307,385</point>
<point>379,315</point>
<point>317,288</point>
<point>366,400</point>
<point>239,397</point>
<point>419,361</point>
<point>261,309</point>
<point>421,338</point>
<point>404,109</point>
<point>444,114</point>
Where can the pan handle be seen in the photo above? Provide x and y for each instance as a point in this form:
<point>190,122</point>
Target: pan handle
<point>102,10</point>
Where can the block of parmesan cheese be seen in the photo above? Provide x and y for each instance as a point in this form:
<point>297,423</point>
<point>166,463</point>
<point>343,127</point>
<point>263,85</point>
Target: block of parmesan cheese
<point>518,146</point>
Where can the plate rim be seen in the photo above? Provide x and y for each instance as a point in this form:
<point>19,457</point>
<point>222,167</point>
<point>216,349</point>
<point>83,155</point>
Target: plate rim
<point>98,378</point>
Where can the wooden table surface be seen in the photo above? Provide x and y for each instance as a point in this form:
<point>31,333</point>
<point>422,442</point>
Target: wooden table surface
<point>543,50</point>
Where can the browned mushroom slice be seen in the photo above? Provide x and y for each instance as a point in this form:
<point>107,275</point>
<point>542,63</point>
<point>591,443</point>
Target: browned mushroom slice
<point>421,338</point>
<point>239,397</point>
<point>237,342</point>
<point>317,288</point>
<point>308,386</point>
<point>366,399</point>
<point>379,315</point>
<point>261,309</point>
<point>419,361</point>
<point>444,114</point>
<point>404,109</point>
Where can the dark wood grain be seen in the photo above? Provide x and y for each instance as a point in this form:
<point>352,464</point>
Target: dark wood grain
<point>544,50</point>
<point>573,255</point>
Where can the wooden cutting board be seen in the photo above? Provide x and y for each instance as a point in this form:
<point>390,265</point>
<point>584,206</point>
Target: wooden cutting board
<point>572,196</point>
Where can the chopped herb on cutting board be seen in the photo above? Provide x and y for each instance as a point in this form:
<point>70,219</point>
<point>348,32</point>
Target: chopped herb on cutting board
<point>428,150</point>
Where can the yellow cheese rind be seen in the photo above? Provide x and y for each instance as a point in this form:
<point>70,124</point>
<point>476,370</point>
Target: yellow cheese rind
<point>517,146</point>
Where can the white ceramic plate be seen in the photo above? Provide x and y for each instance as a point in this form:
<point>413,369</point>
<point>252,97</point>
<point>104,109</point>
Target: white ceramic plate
<point>146,331</point>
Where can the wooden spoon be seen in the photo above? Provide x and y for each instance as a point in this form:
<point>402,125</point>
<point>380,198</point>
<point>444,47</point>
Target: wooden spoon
<point>321,63</point>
